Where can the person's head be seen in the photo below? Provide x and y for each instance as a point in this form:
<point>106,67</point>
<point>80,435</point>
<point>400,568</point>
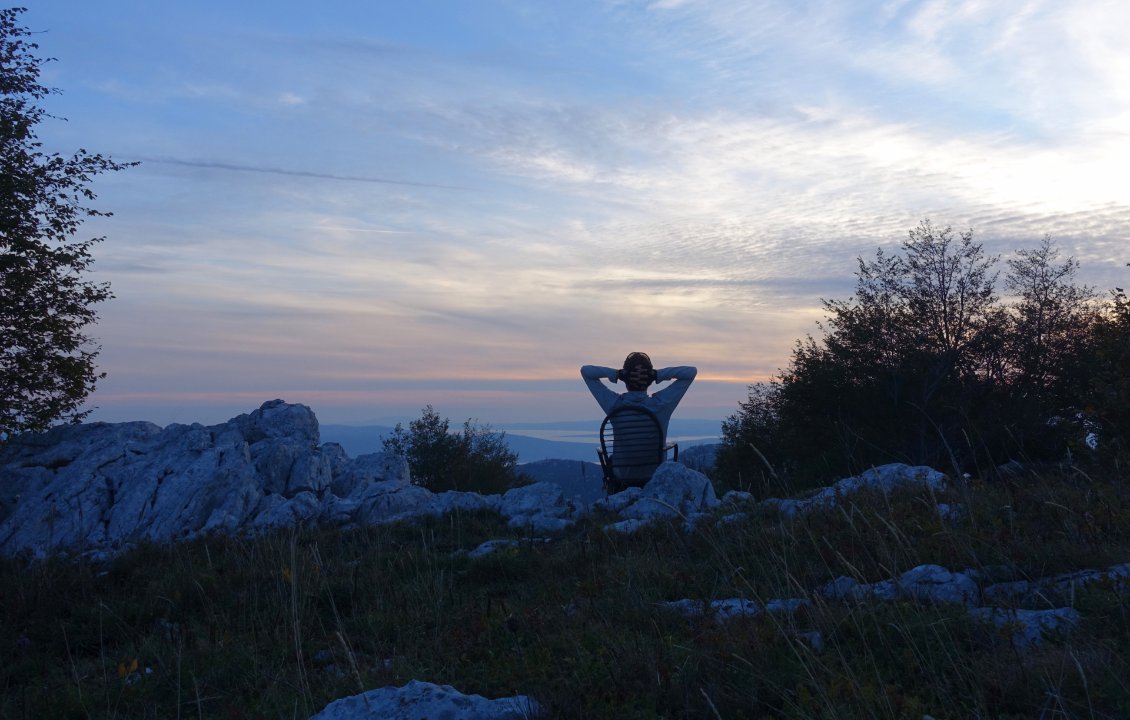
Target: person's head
<point>638,372</point>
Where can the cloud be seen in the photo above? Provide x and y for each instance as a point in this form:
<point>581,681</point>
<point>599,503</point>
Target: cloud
<point>216,165</point>
<point>686,177</point>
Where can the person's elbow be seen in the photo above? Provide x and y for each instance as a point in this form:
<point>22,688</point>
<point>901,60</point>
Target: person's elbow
<point>679,373</point>
<point>592,372</point>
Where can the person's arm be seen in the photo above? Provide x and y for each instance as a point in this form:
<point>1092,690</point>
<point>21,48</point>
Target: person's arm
<point>683,375</point>
<point>605,396</point>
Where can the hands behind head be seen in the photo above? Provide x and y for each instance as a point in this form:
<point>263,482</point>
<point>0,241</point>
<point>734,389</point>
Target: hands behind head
<point>638,376</point>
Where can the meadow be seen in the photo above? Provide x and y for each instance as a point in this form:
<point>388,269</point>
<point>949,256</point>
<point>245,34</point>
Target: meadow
<point>279,625</point>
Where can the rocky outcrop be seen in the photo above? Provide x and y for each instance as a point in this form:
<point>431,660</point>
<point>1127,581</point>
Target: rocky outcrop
<point>884,479</point>
<point>100,487</point>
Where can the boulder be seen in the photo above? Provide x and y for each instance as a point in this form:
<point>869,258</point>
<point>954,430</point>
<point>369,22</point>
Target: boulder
<point>674,491</point>
<point>540,507</point>
<point>426,700</point>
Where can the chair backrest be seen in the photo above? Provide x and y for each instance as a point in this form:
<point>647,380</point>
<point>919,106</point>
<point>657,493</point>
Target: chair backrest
<point>632,446</point>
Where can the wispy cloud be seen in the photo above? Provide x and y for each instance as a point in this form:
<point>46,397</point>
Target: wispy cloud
<point>517,192</point>
<point>216,165</point>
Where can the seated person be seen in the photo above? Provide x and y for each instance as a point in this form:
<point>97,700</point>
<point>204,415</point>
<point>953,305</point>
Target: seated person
<point>638,374</point>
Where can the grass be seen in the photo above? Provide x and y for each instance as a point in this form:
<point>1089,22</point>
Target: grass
<point>278,626</point>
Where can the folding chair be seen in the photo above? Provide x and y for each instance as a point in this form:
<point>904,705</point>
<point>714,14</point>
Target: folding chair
<point>632,446</point>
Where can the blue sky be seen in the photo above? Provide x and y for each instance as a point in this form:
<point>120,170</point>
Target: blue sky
<point>370,206</point>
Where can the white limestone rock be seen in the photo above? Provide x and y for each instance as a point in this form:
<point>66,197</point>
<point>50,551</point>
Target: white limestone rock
<point>365,469</point>
<point>387,501</point>
<point>616,502</point>
<point>730,608</point>
<point>936,584</point>
<point>276,511</point>
<point>489,547</point>
<point>1027,629</point>
<point>674,491</point>
<point>846,588</point>
<point>924,584</point>
<point>1062,587</point>
<point>540,507</point>
<point>418,700</point>
<point>884,478</point>
<point>102,485</point>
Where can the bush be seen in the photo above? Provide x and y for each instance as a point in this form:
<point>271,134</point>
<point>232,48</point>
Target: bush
<point>477,459</point>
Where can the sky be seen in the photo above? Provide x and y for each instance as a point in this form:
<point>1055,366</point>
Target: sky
<point>367,207</point>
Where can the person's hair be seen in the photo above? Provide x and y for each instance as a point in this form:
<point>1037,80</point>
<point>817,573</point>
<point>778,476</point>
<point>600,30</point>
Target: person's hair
<point>633,361</point>
<point>637,358</point>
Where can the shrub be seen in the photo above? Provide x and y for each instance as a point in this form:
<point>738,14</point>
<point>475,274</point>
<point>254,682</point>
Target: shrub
<point>477,459</point>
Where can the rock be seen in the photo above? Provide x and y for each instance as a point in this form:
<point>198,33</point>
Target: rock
<point>1026,629</point>
<point>388,501</point>
<point>884,478</point>
<point>815,640</point>
<point>425,700</point>
<point>846,588</point>
<point>616,502</point>
<point>366,469</point>
<point>737,497</point>
<point>1007,592</point>
<point>935,584</point>
<point>104,486</point>
<point>1056,588</point>
<point>625,527</point>
<point>925,583</point>
<point>673,491</point>
<point>728,609</point>
<point>539,507</point>
<point>275,511</point>
<point>490,547</point>
<point>699,457</point>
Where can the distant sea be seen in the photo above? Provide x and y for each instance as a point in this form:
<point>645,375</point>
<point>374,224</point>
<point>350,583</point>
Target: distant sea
<point>575,440</point>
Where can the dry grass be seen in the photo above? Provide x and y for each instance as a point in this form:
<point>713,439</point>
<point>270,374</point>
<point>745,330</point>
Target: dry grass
<point>276,627</point>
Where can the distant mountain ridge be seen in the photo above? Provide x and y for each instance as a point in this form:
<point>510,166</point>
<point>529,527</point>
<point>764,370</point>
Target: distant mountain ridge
<point>532,447</point>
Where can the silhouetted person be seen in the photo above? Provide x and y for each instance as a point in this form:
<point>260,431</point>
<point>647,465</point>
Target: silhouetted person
<point>637,375</point>
<point>638,421</point>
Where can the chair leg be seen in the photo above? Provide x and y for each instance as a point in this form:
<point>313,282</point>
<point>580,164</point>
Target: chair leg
<point>611,487</point>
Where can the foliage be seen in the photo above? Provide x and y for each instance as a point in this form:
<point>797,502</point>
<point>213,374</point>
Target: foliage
<point>47,360</point>
<point>1109,393</point>
<point>925,364</point>
<point>477,459</point>
<point>1047,340</point>
<point>281,624</point>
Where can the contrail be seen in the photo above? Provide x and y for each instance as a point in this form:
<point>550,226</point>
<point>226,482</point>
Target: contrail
<point>295,173</point>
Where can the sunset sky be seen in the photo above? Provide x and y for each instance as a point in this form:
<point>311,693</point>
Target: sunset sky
<point>367,206</point>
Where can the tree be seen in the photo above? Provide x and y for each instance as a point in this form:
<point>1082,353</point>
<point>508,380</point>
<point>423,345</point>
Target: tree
<point>925,365</point>
<point>1049,332</point>
<point>47,360</point>
<point>477,460</point>
<point>1109,397</point>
